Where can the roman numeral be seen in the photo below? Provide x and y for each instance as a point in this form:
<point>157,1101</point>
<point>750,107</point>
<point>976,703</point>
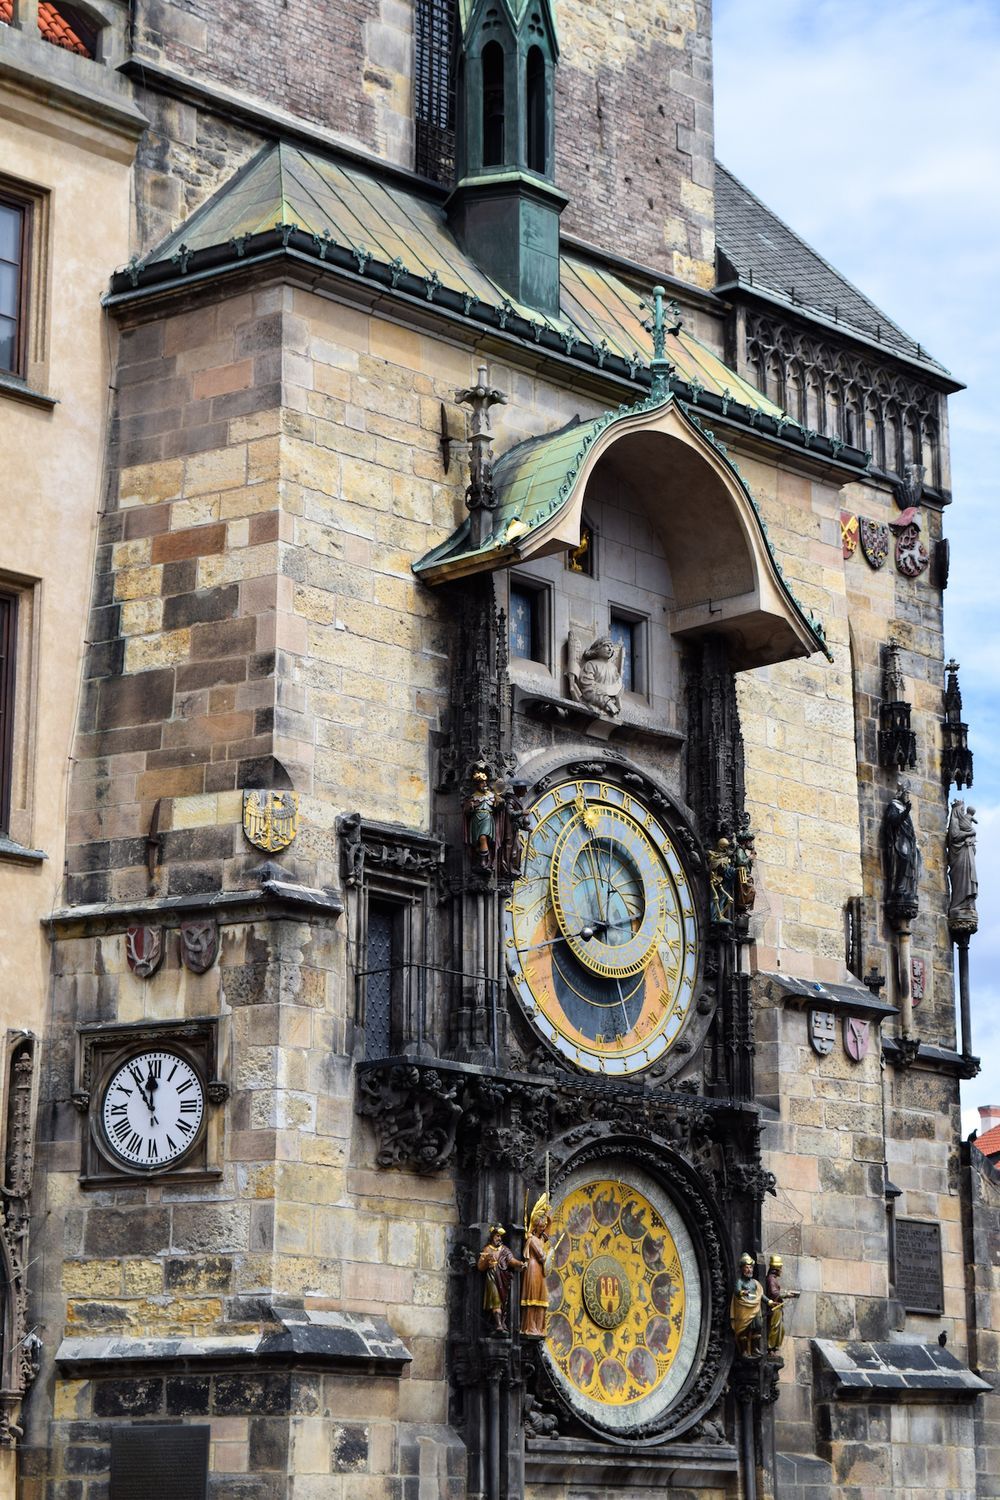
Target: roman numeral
<point>187,1084</point>
<point>134,1142</point>
<point>119,1109</point>
<point>183,1125</point>
<point>156,1066</point>
<point>121,1087</point>
<point>173,1070</point>
<point>121,1129</point>
<point>189,1106</point>
<point>151,1151</point>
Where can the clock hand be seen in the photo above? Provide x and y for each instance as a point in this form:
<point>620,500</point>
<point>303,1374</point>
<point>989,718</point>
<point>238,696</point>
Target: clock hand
<point>586,933</point>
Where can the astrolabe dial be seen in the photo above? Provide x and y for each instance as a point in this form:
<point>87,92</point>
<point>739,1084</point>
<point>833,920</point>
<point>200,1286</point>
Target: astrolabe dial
<point>624,1299</point>
<point>601,937</point>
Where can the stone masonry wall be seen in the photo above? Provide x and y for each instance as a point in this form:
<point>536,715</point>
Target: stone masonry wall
<point>634,134</point>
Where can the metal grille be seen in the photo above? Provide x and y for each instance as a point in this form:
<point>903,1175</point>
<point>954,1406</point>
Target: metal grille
<point>434,89</point>
<point>8,640</point>
<point>379,961</point>
<point>170,1462</point>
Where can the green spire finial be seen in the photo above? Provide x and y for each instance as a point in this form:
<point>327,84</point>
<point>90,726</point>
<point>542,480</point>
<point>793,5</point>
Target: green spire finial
<point>660,367</point>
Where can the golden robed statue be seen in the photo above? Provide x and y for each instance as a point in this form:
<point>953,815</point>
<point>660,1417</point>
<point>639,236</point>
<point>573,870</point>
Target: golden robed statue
<point>534,1298</point>
<point>745,1312</point>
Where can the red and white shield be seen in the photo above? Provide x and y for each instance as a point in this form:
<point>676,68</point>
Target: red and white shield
<point>857,1036</point>
<point>144,950</point>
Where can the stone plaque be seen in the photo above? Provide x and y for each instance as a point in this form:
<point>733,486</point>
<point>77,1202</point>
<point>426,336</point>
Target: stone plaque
<point>919,1273</point>
<point>168,1461</point>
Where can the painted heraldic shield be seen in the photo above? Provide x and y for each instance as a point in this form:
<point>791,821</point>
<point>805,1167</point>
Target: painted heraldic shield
<point>875,541</point>
<point>270,819</point>
<point>848,533</point>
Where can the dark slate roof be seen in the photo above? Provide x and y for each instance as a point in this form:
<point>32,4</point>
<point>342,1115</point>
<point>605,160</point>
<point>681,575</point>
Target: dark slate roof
<point>759,250</point>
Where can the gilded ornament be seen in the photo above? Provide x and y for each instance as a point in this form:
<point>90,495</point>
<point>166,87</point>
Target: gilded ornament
<point>270,819</point>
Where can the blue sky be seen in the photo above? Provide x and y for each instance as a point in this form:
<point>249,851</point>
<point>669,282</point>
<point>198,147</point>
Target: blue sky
<point>874,131</point>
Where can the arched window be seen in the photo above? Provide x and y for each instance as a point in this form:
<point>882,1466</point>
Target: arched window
<point>537,123</point>
<point>493,105</point>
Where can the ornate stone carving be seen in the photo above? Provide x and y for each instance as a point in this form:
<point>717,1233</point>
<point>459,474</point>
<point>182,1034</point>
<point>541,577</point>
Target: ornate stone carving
<point>144,950</point>
<point>956,759</point>
<point>19,1345</point>
<point>912,556</point>
<point>480,494</point>
<point>595,673</point>
<point>199,945</point>
<point>897,742</point>
<point>715,743</point>
<point>368,848</point>
<point>479,722</point>
<point>960,843</point>
<point>753,1179</point>
<point>415,1112</point>
<point>842,394</point>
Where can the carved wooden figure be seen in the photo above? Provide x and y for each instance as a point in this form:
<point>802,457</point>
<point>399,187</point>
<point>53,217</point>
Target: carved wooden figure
<point>534,1299</point>
<point>498,1264</point>
<point>775,1297</point>
<point>745,1310</point>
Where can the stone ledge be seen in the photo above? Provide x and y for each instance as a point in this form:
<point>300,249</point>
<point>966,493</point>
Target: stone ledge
<point>330,1339</point>
<point>841,999</point>
<point>938,1059</point>
<point>18,854</point>
<point>645,1469</point>
<point>274,898</point>
<point>901,1372</point>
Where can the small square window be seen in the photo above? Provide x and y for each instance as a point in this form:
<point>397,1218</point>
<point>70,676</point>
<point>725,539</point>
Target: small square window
<point>528,621</point>
<point>629,634</point>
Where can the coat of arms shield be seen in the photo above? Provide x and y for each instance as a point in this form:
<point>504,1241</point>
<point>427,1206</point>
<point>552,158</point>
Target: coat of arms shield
<point>270,819</point>
<point>857,1035</point>
<point>199,945</point>
<point>821,1031</point>
<point>875,541</point>
<point>144,950</point>
<point>848,533</point>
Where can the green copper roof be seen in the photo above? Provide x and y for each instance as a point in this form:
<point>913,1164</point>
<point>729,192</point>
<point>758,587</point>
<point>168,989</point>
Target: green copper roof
<point>516,9</point>
<point>538,478</point>
<point>343,205</point>
<point>378,229</point>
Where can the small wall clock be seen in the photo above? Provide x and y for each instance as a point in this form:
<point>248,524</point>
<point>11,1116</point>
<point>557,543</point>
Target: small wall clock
<point>150,1093</point>
<point>153,1109</point>
<point>601,932</point>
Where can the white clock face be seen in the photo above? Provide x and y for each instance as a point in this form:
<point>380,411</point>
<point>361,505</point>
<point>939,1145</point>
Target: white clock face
<point>153,1109</point>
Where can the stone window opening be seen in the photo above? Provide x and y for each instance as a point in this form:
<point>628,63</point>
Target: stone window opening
<point>494,121</point>
<point>18,694</point>
<point>537,123</point>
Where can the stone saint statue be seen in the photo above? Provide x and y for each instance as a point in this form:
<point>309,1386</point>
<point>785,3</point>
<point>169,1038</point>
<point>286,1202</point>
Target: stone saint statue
<point>498,1264</point>
<point>480,808</point>
<point>534,1298</point>
<point>961,848</point>
<point>595,674</point>
<point>900,855</point>
<point>745,1310</point>
<point>775,1299</point>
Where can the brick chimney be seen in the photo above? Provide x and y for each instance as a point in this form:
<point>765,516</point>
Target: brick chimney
<point>989,1115</point>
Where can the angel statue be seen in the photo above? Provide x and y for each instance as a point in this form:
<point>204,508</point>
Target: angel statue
<point>534,1299</point>
<point>595,673</point>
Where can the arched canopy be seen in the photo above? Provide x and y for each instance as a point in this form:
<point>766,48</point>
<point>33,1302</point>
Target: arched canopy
<point>726,579</point>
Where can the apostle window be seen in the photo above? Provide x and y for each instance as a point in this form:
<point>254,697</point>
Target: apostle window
<point>528,615</point>
<point>629,634</point>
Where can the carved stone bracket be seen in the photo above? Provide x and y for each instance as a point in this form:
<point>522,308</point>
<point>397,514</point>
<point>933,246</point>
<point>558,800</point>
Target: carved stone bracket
<point>753,1179</point>
<point>367,847</point>
<point>428,1114</point>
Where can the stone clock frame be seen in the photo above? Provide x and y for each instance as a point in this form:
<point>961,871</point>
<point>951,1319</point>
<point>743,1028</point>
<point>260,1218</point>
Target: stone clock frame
<point>101,1050</point>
